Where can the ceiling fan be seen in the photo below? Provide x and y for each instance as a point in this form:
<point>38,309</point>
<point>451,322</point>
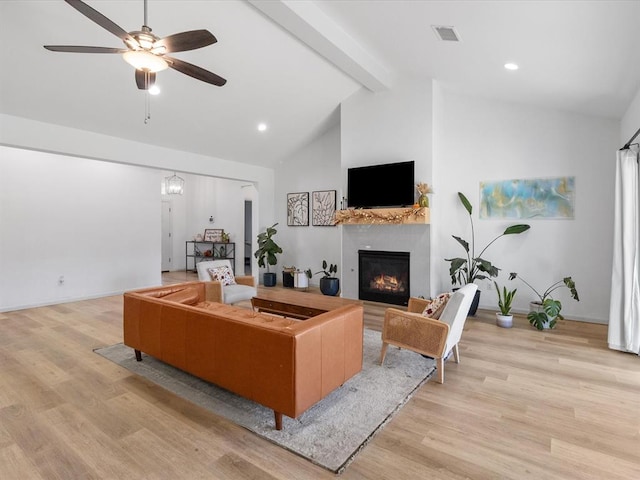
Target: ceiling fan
<point>146,51</point>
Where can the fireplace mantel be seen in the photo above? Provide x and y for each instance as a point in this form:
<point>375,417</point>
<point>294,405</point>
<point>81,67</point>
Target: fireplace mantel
<point>383,216</point>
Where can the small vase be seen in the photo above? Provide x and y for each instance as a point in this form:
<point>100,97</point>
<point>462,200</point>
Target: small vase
<point>423,200</point>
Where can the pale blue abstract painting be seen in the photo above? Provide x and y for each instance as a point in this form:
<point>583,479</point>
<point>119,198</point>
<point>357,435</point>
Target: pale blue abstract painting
<point>528,198</point>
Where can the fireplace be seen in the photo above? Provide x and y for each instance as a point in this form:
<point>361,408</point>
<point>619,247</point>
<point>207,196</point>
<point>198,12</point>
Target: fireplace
<point>383,276</point>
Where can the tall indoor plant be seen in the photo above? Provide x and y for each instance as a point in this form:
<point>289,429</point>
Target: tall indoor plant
<point>545,311</point>
<point>473,267</point>
<point>266,254</point>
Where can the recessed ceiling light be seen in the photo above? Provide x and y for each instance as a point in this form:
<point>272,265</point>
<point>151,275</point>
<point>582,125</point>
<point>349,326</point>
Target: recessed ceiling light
<point>154,90</point>
<point>511,66</point>
<point>262,127</point>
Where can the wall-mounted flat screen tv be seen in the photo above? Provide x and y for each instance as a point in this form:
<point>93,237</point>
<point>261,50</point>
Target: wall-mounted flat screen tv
<point>386,185</point>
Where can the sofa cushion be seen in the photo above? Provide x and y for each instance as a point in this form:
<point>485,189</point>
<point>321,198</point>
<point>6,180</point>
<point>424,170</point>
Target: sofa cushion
<point>236,293</point>
<point>436,306</point>
<point>222,274</point>
<point>186,296</point>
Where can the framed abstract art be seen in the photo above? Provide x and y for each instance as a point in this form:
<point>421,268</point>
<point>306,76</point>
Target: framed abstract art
<point>323,208</point>
<point>298,209</point>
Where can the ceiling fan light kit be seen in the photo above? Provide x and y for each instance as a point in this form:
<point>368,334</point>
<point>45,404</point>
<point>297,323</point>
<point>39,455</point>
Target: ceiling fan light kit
<point>145,51</point>
<point>145,60</point>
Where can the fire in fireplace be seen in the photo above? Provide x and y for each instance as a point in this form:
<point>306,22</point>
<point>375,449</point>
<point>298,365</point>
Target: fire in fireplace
<point>383,276</point>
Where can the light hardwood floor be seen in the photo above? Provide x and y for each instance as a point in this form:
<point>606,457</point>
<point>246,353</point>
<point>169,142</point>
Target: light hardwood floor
<point>521,404</point>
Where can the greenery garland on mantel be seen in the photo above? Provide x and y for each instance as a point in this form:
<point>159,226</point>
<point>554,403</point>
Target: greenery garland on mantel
<point>382,216</point>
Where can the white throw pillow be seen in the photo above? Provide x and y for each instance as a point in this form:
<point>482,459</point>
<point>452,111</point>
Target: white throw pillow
<point>436,306</point>
<point>222,274</point>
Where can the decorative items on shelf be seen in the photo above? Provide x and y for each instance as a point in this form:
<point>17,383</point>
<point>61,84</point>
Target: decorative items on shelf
<point>423,189</point>
<point>213,235</point>
<point>226,237</point>
<point>382,216</point>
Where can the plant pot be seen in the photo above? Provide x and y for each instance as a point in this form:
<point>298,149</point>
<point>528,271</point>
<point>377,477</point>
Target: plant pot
<point>330,286</point>
<point>504,321</point>
<point>287,279</point>
<point>537,307</point>
<point>474,304</point>
<point>300,280</point>
<point>269,279</point>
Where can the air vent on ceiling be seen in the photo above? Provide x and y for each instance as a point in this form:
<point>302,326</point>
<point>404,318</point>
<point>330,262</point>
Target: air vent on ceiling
<point>446,34</point>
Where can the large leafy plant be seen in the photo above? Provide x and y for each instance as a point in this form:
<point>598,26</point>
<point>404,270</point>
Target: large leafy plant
<point>267,248</point>
<point>473,267</point>
<point>550,307</point>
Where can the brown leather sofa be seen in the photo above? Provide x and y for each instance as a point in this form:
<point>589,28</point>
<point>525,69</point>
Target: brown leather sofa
<point>284,364</point>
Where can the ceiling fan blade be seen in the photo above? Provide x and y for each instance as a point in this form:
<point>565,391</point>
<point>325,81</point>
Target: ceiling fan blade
<point>145,80</point>
<point>181,42</point>
<point>101,20</point>
<point>195,71</point>
<point>80,49</point>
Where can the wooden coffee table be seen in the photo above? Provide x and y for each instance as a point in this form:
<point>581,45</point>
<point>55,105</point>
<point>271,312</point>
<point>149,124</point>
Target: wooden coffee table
<point>299,305</point>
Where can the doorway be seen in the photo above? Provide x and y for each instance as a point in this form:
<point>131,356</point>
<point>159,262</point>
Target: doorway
<point>167,236</point>
<point>248,235</point>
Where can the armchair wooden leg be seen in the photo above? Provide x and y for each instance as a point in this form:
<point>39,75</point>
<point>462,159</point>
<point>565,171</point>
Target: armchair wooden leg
<point>456,353</point>
<point>440,370</point>
<point>383,352</point>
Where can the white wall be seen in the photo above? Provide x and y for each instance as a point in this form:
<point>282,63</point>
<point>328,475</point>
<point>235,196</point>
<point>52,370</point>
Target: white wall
<point>630,122</point>
<point>388,127</point>
<point>487,140</point>
<point>90,149</point>
<point>94,223</point>
<point>313,168</point>
<point>24,133</point>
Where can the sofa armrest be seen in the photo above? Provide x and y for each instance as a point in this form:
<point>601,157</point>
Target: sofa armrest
<point>213,291</point>
<point>246,280</point>
<point>414,331</point>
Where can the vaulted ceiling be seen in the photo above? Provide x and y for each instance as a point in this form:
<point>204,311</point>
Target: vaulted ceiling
<point>290,64</point>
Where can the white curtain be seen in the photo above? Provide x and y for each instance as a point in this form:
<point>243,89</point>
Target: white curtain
<point>624,311</point>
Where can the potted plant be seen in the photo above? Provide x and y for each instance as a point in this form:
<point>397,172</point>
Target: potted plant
<point>287,276</point>
<point>504,319</point>
<point>266,254</point>
<point>472,268</point>
<point>545,311</point>
<point>329,285</point>
<point>301,278</point>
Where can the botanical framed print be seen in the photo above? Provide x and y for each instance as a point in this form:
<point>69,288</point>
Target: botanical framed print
<point>213,235</point>
<point>323,208</point>
<point>298,209</point>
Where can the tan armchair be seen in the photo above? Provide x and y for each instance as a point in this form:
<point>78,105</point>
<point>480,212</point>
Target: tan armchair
<point>434,338</point>
<point>245,288</point>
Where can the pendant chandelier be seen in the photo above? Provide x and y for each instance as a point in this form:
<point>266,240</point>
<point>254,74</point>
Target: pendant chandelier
<point>174,185</point>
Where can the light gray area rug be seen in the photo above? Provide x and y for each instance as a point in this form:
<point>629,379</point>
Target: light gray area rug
<point>331,432</point>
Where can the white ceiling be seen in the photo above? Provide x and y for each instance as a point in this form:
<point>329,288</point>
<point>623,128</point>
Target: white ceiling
<point>579,56</point>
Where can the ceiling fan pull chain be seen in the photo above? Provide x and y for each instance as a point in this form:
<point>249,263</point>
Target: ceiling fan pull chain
<point>147,107</point>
